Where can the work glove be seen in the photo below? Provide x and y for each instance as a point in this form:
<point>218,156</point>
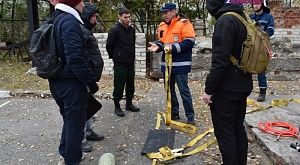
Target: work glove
<point>92,88</point>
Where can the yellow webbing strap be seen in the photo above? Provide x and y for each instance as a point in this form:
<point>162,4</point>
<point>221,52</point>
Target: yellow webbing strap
<point>168,71</point>
<point>172,124</point>
<point>158,120</point>
<point>199,137</point>
<point>188,128</point>
<point>201,148</point>
<point>256,106</point>
<point>165,153</point>
<point>279,103</point>
<point>295,100</point>
<point>252,103</point>
<point>154,162</point>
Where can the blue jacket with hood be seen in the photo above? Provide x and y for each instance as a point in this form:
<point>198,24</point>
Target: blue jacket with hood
<point>265,22</point>
<point>69,44</point>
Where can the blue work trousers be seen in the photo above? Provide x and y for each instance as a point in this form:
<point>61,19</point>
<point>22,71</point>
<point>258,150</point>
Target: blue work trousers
<point>71,97</point>
<point>262,80</point>
<point>182,83</point>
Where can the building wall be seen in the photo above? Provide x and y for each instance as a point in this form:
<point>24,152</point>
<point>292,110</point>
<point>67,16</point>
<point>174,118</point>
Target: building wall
<point>140,53</point>
<point>287,23</point>
<point>282,68</point>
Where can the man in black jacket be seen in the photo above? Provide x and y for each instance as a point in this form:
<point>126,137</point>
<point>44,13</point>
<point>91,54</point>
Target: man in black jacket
<point>88,16</point>
<point>120,46</point>
<point>226,86</point>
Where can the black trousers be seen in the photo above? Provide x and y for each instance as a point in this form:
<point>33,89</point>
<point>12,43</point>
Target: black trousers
<point>123,75</point>
<point>228,116</point>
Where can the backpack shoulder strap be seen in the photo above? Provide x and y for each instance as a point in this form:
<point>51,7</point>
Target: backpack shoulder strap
<point>232,58</point>
<point>245,22</point>
<point>51,20</point>
<point>57,18</point>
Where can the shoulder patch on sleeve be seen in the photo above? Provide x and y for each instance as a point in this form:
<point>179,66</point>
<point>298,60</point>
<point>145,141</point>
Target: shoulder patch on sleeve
<point>184,20</point>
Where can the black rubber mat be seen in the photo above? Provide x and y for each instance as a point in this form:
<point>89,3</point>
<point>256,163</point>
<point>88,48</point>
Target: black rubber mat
<point>158,138</point>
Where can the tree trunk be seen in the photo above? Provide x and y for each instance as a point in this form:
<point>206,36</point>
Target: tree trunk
<point>12,19</point>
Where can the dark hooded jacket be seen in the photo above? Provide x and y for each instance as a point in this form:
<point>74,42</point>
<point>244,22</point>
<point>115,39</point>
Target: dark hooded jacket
<point>69,45</point>
<point>120,44</point>
<point>90,42</point>
<point>228,37</point>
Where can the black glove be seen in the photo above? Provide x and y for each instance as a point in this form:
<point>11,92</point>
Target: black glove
<point>93,88</point>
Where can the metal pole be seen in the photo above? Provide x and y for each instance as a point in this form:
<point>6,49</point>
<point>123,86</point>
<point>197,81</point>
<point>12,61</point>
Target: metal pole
<point>30,16</point>
<point>33,17</point>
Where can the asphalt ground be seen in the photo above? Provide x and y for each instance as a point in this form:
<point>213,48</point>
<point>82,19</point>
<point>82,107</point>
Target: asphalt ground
<point>31,125</point>
<point>30,131</point>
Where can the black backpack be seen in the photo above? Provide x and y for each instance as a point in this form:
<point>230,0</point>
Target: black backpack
<point>43,49</point>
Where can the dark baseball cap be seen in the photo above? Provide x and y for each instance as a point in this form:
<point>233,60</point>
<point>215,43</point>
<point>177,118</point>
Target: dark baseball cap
<point>168,6</point>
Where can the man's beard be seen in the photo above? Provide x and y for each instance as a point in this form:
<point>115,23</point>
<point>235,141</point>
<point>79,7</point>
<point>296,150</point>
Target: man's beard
<point>258,10</point>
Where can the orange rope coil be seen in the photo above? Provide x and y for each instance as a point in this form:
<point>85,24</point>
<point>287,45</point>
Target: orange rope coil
<point>269,127</point>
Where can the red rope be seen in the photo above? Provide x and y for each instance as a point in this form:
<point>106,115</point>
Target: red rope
<point>269,127</point>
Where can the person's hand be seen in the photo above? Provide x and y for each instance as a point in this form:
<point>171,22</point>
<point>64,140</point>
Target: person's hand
<point>168,49</point>
<point>153,47</point>
<point>93,88</point>
<point>207,98</point>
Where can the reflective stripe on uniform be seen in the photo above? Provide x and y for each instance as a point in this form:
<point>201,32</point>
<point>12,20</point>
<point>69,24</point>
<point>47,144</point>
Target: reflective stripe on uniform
<point>184,63</point>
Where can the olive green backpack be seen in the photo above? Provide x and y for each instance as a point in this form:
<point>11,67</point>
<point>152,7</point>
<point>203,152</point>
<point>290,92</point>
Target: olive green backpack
<point>255,56</point>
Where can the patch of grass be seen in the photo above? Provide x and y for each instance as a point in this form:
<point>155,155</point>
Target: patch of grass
<point>12,76</point>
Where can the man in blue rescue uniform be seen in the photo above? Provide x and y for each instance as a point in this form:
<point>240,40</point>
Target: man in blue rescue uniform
<point>265,22</point>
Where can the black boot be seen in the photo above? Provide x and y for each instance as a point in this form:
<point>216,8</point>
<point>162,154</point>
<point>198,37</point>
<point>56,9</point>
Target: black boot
<point>93,136</point>
<point>262,95</point>
<point>118,111</point>
<point>130,107</point>
<point>175,117</point>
